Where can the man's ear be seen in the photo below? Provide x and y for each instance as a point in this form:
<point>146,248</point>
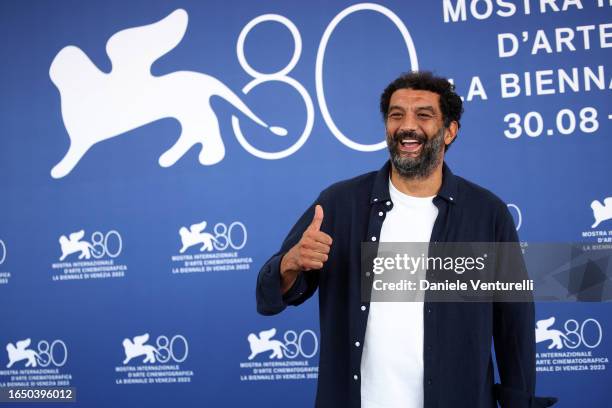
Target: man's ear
<point>450,133</point>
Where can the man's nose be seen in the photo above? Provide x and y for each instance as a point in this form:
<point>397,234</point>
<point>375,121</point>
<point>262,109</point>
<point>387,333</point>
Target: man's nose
<point>409,123</point>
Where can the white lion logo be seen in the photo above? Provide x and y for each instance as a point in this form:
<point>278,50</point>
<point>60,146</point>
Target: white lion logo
<point>542,334</point>
<point>601,212</point>
<point>137,348</point>
<point>97,106</point>
<point>265,343</point>
<point>19,352</point>
<point>195,235</point>
<point>73,244</point>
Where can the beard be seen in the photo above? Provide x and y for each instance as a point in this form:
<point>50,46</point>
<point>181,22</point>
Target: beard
<point>425,163</point>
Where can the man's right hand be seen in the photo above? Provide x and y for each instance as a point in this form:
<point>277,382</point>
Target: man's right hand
<point>310,253</point>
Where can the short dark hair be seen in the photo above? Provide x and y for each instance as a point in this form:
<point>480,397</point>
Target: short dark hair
<point>450,103</point>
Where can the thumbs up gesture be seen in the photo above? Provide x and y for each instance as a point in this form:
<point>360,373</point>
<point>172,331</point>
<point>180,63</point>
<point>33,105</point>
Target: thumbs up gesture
<point>312,251</point>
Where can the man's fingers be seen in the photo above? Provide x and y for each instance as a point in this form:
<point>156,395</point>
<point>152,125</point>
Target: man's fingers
<point>322,237</point>
<point>318,236</point>
<point>317,220</point>
<point>315,256</point>
<point>317,246</point>
<point>311,264</point>
<point>312,260</point>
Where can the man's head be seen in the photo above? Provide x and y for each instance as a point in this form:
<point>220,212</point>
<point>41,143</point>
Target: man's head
<point>422,115</point>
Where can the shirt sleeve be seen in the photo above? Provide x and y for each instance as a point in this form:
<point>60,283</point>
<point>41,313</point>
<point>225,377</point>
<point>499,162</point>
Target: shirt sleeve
<point>513,327</point>
<point>270,300</point>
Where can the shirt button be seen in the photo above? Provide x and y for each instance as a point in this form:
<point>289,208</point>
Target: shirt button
<point>363,308</point>
<point>373,238</point>
<point>450,198</point>
<point>429,382</point>
<point>357,344</point>
<point>355,377</point>
<point>429,310</point>
<point>376,199</point>
<point>381,213</point>
<point>388,203</point>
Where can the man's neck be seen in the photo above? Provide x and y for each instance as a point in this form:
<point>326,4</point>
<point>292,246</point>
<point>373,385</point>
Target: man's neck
<point>418,187</point>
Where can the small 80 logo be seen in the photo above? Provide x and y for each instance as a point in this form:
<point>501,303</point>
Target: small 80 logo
<point>305,344</point>
<point>233,236</point>
<point>587,333</point>
<point>102,244</point>
<point>47,353</point>
<point>174,349</point>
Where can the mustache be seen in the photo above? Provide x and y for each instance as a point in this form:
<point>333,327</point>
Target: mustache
<point>411,134</point>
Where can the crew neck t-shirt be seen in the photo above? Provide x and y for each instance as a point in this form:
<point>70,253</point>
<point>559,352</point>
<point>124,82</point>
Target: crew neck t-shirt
<point>392,358</point>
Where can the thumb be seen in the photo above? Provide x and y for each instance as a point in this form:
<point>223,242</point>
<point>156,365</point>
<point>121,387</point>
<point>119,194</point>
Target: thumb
<point>317,220</point>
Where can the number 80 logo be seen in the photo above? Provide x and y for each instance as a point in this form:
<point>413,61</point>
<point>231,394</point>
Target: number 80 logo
<point>281,75</point>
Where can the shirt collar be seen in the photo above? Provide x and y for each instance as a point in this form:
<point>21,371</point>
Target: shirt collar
<point>380,191</point>
<point>448,191</point>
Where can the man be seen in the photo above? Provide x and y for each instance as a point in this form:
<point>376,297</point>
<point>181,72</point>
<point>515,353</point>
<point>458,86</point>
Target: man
<point>417,354</point>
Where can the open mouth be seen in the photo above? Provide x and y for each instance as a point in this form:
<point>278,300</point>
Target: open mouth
<point>410,145</point>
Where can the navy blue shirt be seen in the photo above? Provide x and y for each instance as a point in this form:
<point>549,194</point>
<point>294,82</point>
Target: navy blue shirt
<point>458,366</point>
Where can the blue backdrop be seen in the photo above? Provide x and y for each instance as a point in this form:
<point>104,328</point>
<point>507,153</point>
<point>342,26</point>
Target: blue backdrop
<point>154,154</point>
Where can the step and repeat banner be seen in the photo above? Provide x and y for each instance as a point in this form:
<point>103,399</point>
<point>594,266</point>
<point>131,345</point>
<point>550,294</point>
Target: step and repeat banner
<point>153,155</point>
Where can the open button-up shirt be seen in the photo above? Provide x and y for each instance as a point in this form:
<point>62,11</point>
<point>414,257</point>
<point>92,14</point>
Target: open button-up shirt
<point>458,365</point>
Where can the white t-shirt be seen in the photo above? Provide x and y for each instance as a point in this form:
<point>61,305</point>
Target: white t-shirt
<point>392,359</point>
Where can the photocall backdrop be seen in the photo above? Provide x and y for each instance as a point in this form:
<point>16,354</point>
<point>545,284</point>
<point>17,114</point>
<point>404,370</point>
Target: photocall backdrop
<point>154,154</point>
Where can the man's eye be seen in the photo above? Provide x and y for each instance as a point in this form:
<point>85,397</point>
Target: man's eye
<point>395,115</point>
<point>424,115</point>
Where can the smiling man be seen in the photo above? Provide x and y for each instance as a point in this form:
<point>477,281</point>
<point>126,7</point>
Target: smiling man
<point>405,354</point>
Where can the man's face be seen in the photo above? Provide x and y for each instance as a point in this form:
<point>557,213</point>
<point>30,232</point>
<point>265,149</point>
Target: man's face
<point>416,135</point>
